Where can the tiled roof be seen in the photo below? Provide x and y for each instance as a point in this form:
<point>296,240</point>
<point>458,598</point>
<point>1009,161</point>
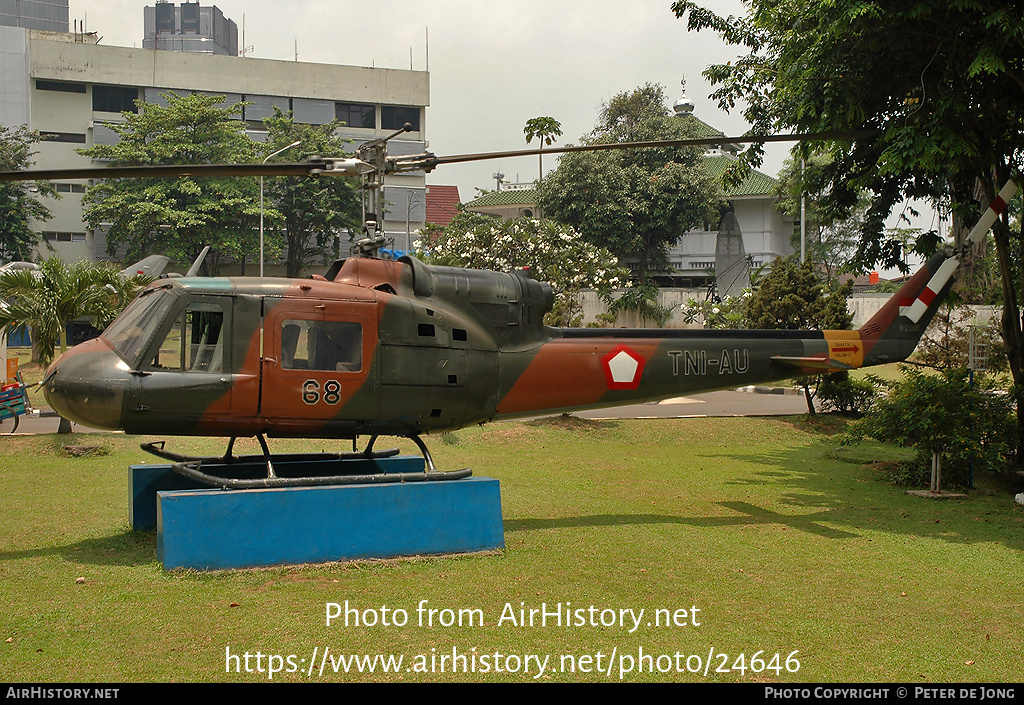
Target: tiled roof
<point>702,129</point>
<point>517,197</point>
<point>755,184</point>
<point>442,204</point>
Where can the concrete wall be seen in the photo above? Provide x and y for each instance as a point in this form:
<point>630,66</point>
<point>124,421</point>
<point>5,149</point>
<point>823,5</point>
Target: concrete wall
<point>92,63</point>
<point>14,64</point>
<point>668,297</point>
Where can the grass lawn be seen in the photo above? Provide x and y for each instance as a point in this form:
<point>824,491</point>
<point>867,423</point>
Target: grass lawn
<point>783,545</point>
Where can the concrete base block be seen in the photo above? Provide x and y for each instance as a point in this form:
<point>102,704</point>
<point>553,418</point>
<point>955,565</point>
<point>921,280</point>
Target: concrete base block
<point>212,529</point>
<point>144,481</point>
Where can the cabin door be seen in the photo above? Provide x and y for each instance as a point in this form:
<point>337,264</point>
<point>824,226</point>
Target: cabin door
<point>319,367</point>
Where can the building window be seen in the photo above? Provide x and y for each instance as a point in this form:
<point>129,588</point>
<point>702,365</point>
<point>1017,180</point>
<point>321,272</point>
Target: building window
<point>75,137</point>
<point>60,86</point>
<point>114,99</point>
<point>64,237</point>
<point>394,117</point>
<point>70,188</point>
<point>356,114</point>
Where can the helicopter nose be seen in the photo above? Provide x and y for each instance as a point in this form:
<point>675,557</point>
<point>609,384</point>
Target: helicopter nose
<point>87,385</point>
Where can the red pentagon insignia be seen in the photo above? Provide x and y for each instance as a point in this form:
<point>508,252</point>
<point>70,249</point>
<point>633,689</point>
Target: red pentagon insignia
<point>623,368</point>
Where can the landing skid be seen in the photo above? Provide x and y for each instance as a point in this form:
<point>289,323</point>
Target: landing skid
<point>298,469</point>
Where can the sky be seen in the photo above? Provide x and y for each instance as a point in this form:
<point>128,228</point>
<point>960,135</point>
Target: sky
<point>493,65</point>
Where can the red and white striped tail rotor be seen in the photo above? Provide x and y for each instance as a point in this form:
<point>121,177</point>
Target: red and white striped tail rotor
<point>945,271</point>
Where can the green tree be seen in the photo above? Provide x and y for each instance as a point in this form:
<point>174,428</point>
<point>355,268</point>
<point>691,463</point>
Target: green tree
<point>554,253</point>
<point>937,85</point>
<point>314,209</point>
<point>46,300</point>
<point>547,129</point>
<point>19,205</point>
<point>642,299</point>
<point>730,312</point>
<point>638,202</point>
<point>791,297</point>
<point>179,216</point>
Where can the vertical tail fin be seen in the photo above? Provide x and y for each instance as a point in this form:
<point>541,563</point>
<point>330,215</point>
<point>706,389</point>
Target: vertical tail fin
<point>893,333</point>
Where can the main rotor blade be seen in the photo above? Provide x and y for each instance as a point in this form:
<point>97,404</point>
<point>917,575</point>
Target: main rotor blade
<point>697,142</point>
<point>341,167</point>
<point>352,167</point>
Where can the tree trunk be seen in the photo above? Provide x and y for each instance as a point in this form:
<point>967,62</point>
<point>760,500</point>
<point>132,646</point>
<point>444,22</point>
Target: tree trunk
<point>35,346</point>
<point>1013,337</point>
<point>810,400</point>
<point>296,253</point>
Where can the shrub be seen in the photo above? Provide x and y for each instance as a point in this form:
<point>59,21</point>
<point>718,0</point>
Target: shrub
<point>942,412</point>
<point>841,393</point>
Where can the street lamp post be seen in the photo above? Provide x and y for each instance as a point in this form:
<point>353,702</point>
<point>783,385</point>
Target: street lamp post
<point>283,149</point>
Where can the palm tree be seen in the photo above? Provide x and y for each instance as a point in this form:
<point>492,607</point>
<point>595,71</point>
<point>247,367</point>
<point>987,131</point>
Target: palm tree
<point>547,129</point>
<point>47,299</point>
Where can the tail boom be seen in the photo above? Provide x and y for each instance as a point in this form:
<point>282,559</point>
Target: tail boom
<point>578,369</point>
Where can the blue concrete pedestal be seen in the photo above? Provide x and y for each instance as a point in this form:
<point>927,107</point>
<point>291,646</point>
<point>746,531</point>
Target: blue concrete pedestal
<point>212,529</point>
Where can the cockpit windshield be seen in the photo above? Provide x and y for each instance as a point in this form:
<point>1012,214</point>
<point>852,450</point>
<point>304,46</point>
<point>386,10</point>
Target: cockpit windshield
<point>139,322</point>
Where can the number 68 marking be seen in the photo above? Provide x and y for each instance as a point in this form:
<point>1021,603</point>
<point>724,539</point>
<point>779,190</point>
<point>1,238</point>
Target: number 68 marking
<point>311,391</point>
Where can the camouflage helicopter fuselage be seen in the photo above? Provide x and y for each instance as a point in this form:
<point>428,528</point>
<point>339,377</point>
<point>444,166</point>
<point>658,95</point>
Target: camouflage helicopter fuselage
<point>402,348</point>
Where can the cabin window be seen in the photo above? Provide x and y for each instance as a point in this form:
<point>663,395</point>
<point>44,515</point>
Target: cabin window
<point>195,341</point>
<point>204,326</point>
<point>335,346</point>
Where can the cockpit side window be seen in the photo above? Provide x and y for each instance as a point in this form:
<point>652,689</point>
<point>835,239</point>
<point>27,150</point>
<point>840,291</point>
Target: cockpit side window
<point>134,328</point>
<point>167,355</point>
<point>194,342</point>
<point>335,346</point>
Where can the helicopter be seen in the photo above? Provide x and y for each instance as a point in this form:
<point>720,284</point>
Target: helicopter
<point>378,347</point>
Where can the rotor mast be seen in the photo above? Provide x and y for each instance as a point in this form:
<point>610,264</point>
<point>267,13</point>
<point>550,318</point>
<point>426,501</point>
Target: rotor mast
<point>375,155</point>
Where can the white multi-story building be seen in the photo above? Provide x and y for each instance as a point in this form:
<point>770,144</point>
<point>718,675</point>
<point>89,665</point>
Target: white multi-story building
<point>68,87</point>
